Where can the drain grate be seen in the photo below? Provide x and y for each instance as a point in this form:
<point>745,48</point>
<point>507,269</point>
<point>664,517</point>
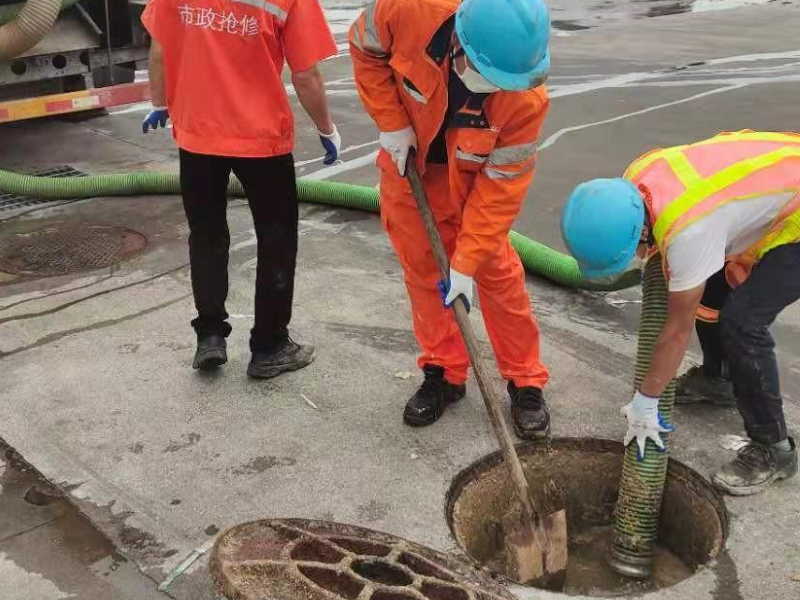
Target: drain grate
<point>13,201</point>
<point>290,559</point>
<point>63,248</point>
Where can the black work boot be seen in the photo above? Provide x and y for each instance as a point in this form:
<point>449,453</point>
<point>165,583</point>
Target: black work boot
<point>695,386</point>
<point>210,352</point>
<point>432,397</point>
<point>529,412</point>
<point>755,468</point>
<point>288,356</point>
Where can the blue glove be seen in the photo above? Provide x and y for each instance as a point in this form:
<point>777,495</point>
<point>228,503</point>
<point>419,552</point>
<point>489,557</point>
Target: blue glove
<point>332,142</point>
<point>456,285</point>
<point>157,116</point>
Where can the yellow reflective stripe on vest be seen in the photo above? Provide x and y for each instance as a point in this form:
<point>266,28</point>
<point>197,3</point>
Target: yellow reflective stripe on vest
<point>787,232</point>
<point>751,136</point>
<point>717,182</point>
<point>683,169</point>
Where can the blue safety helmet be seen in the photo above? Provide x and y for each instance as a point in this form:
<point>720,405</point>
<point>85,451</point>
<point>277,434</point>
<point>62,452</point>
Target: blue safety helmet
<point>506,40</point>
<point>602,225</point>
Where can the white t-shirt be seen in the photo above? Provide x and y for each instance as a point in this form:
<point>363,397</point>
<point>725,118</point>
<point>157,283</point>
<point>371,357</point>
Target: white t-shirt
<point>699,251</point>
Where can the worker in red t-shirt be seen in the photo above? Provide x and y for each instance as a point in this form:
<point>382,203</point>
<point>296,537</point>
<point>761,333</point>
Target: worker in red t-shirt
<point>215,70</point>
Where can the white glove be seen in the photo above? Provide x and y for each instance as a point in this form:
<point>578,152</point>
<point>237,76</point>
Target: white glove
<point>397,144</point>
<point>457,285</point>
<point>332,143</point>
<point>644,422</point>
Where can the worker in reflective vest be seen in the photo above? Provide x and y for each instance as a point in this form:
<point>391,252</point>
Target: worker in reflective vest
<point>724,213</point>
<point>462,84</point>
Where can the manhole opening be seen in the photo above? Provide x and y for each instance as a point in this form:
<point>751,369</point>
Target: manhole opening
<point>63,248</point>
<point>339,583</point>
<point>383,572</point>
<point>694,522</point>
<point>14,201</point>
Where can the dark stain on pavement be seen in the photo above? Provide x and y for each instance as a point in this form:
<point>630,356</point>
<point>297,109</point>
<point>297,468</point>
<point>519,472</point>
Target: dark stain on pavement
<point>387,339</point>
<point>136,448</point>
<point>728,583</point>
<point>596,355</point>
<point>262,463</point>
<point>211,530</point>
<point>372,511</point>
<point>189,440</point>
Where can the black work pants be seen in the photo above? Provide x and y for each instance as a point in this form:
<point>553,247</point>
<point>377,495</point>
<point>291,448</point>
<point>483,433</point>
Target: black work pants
<point>269,184</point>
<point>741,342</point>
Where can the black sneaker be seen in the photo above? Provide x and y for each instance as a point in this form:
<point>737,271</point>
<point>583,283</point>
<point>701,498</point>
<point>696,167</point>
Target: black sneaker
<point>432,397</point>
<point>695,386</point>
<point>755,468</point>
<point>210,352</point>
<point>289,356</point>
<point>529,412</point>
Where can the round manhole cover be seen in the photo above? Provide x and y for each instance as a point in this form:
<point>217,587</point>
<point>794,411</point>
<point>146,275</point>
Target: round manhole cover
<point>296,559</point>
<point>60,249</point>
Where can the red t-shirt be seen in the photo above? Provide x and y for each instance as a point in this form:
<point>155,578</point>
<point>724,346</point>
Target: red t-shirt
<point>222,65</point>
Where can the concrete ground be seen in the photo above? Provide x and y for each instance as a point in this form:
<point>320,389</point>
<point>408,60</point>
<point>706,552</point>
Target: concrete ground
<point>99,396</point>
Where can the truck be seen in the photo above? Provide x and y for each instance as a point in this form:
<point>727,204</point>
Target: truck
<point>63,56</point>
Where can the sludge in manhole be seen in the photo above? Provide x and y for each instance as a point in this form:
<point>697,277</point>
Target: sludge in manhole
<point>293,559</point>
<point>63,248</point>
<point>693,525</point>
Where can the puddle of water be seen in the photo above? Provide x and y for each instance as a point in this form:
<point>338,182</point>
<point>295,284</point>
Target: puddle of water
<point>45,537</point>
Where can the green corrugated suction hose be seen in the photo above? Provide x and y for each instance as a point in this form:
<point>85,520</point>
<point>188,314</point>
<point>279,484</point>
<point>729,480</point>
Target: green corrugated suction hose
<point>537,258</point>
<point>642,483</point>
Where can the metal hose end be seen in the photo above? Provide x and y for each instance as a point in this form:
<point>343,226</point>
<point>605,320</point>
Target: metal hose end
<point>635,566</point>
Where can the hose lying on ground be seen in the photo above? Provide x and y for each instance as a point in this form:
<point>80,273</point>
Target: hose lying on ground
<point>537,258</point>
<point>642,484</point>
<point>24,25</point>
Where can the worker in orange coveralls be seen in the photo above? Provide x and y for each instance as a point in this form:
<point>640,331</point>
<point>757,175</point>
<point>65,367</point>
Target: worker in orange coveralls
<point>462,83</point>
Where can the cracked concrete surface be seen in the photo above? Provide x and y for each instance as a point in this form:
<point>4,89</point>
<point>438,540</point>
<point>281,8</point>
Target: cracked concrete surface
<point>99,396</point>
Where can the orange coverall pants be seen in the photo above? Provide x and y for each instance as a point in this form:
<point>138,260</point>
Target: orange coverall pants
<point>504,302</point>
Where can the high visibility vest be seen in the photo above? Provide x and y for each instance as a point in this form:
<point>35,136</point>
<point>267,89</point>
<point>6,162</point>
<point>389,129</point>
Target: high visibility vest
<point>684,184</point>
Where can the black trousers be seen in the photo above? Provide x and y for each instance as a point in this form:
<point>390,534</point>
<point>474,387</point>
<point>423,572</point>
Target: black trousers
<point>269,184</point>
<point>741,347</point>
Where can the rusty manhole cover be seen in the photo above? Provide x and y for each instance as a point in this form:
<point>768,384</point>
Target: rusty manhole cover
<point>296,559</point>
<point>59,249</point>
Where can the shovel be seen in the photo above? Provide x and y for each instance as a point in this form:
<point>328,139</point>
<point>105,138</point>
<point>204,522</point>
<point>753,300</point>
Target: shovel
<point>535,544</point>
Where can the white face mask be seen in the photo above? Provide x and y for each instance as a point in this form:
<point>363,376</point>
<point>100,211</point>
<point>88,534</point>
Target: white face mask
<point>475,82</point>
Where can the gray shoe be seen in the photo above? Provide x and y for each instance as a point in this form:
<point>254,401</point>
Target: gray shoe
<point>755,468</point>
<point>289,356</point>
<point>211,353</point>
<point>695,386</point>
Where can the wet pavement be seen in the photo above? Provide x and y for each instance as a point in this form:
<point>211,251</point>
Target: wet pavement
<point>98,394</point>
<point>49,551</point>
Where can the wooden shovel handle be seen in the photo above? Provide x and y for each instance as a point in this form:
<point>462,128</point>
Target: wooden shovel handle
<point>490,396</point>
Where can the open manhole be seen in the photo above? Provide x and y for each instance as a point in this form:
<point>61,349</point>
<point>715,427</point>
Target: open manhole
<point>12,202</point>
<point>62,248</point>
<point>296,559</point>
<point>694,522</point>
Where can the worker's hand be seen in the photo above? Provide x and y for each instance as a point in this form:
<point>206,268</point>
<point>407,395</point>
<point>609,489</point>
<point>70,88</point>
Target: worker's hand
<point>398,144</point>
<point>157,116</point>
<point>332,142</point>
<point>457,285</point>
<point>644,421</point>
